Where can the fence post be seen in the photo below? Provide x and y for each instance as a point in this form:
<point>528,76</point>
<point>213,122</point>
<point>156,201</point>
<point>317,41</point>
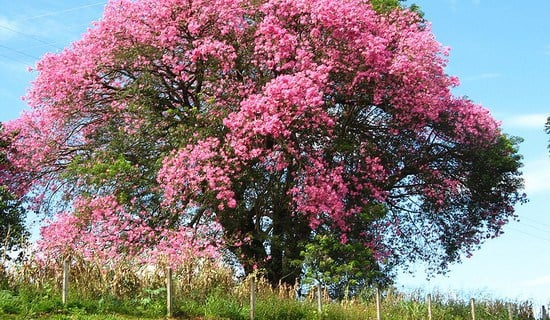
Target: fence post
<point>252,297</point>
<point>378,306</point>
<point>169,293</point>
<point>319,300</point>
<point>429,306</point>
<point>510,317</point>
<point>65,287</point>
<point>473,308</point>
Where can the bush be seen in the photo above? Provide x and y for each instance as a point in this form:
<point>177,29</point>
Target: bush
<point>8,303</point>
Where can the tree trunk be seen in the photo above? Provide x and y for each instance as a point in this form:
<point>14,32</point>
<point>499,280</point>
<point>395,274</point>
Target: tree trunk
<point>287,238</point>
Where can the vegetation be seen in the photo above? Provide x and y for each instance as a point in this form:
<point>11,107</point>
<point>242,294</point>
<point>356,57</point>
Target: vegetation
<point>213,293</point>
<point>276,130</point>
<point>293,142</point>
<point>13,234</point>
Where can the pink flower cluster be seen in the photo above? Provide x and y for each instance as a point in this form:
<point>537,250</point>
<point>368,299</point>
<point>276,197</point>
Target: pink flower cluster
<point>100,229</point>
<point>193,172</point>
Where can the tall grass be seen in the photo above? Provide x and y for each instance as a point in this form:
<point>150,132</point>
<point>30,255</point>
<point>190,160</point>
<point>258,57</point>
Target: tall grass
<point>205,290</point>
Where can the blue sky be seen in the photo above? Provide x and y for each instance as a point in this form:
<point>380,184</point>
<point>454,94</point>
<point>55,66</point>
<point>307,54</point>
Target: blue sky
<point>499,49</point>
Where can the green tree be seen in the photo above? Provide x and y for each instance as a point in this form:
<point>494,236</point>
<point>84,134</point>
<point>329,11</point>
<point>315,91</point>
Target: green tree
<point>342,263</point>
<point>13,233</point>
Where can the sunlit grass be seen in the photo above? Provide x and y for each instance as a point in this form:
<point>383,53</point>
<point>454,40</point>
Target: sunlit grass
<point>212,292</point>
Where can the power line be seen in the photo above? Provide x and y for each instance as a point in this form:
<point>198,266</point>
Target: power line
<point>29,36</point>
<point>19,52</point>
<point>547,230</point>
<point>531,235</point>
<point>535,221</point>
<point>53,13</point>
<point>23,62</point>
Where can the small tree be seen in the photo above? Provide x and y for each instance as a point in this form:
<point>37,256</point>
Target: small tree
<point>342,262</point>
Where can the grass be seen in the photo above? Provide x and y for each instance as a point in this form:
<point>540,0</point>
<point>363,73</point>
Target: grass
<point>228,305</point>
<point>209,292</point>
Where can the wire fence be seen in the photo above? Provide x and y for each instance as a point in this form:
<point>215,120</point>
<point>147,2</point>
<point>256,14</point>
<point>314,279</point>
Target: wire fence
<point>320,296</point>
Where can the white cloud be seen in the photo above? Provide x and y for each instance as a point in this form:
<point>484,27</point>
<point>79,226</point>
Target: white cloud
<point>529,121</point>
<point>484,76</point>
<point>537,176</point>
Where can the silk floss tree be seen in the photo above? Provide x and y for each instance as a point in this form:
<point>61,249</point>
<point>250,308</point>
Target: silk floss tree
<point>261,128</point>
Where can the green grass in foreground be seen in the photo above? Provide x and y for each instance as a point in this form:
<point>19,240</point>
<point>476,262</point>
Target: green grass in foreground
<point>204,292</point>
<point>44,304</point>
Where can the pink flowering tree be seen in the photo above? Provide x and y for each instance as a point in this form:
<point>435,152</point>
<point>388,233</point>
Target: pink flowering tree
<point>279,121</point>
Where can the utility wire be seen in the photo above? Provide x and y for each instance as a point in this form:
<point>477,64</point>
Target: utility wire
<point>528,225</point>
<point>530,234</point>
<point>53,13</point>
<point>23,62</point>
<point>36,38</point>
<point>535,221</point>
<point>30,36</point>
<point>19,52</point>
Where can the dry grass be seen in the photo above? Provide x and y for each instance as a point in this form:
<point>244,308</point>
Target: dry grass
<point>205,290</point>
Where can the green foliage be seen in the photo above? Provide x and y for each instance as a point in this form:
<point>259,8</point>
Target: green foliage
<point>33,303</point>
<point>8,303</point>
<point>384,6</point>
<point>220,305</point>
<point>28,302</point>
<point>286,309</point>
<point>101,171</point>
<point>189,308</point>
<point>13,234</point>
<point>345,265</point>
<point>335,262</point>
<point>12,228</point>
<point>341,266</point>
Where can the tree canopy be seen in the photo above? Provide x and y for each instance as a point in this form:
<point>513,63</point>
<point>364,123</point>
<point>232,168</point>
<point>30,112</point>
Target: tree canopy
<point>262,127</point>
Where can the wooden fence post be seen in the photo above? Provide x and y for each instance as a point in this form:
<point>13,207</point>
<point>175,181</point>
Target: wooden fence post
<point>169,293</point>
<point>65,287</point>
<point>378,306</point>
<point>510,317</point>
<point>473,308</point>
<point>429,307</point>
<point>252,297</point>
<point>319,300</point>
